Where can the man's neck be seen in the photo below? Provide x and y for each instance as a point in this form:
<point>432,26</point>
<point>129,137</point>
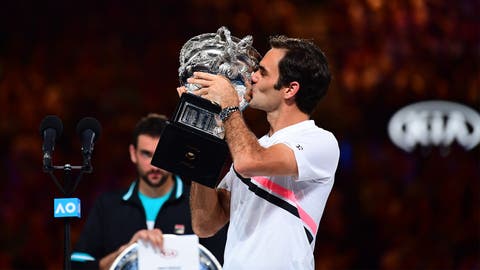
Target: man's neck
<point>279,120</point>
<point>155,192</point>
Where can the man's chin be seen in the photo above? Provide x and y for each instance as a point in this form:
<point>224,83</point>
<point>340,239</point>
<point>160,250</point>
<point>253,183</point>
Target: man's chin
<point>156,182</point>
<point>252,105</point>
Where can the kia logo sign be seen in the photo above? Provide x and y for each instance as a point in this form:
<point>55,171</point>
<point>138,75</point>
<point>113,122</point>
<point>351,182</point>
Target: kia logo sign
<point>434,123</point>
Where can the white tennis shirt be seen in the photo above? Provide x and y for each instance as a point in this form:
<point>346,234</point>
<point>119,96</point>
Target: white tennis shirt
<point>274,219</point>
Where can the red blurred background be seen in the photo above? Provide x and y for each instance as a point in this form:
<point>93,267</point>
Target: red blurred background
<point>118,60</point>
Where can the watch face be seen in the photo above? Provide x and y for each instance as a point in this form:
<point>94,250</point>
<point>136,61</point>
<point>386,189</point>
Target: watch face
<point>223,115</point>
<point>226,112</point>
<point>128,259</point>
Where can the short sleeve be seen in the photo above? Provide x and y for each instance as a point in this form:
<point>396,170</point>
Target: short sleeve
<point>317,156</point>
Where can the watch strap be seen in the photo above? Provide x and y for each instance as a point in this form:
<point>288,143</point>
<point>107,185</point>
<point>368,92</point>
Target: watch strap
<point>227,111</point>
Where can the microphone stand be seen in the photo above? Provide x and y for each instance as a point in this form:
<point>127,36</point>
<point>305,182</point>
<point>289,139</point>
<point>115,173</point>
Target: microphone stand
<point>67,190</point>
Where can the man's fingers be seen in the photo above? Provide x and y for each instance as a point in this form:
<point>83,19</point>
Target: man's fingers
<point>201,92</point>
<point>138,235</point>
<point>154,237</point>
<point>203,75</point>
<point>181,90</point>
<point>199,81</point>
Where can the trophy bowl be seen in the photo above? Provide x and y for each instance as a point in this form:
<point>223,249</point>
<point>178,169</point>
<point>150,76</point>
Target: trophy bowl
<point>128,259</point>
<point>219,53</point>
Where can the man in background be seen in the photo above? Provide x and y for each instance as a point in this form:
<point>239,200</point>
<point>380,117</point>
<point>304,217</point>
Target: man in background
<point>156,203</point>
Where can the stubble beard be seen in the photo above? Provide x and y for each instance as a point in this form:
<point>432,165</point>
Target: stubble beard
<point>147,181</point>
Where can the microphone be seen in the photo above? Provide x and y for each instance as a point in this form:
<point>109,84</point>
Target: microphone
<point>51,127</point>
<point>89,130</point>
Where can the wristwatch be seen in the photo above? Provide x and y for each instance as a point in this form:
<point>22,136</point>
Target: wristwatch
<point>227,111</point>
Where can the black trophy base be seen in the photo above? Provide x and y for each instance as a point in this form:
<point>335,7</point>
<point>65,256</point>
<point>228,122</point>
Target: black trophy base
<point>193,156</point>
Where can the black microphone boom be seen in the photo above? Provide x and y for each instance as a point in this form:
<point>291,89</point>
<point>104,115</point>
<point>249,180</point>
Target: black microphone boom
<point>51,127</point>
<point>89,130</point>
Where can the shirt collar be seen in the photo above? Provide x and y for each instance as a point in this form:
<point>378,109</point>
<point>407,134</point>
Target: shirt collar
<point>178,189</point>
<point>300,125</point>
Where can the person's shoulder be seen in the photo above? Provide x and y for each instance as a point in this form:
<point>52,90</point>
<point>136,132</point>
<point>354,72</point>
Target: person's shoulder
<point>318,136</point>
<point>325,136</point>
<point>310,127</point>
<point>113,195</point>
<point>182,188</point>
<point>313,126</point>
<point>324,132</point>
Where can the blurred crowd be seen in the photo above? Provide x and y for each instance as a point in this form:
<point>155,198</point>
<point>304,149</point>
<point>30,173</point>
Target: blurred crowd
<point>118,60</point>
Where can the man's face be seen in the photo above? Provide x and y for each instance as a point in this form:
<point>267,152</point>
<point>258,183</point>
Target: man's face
<point>263,95</point>
<point>142,155</point>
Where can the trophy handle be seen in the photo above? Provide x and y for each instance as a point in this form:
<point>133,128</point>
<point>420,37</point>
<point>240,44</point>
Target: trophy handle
<point>128,256</point>
<point>207,259</point>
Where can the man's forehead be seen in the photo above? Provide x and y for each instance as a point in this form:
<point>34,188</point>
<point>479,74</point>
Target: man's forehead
<point>272,58</point>
<point>145,138</point>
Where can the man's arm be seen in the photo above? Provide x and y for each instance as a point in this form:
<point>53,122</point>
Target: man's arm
<point>252,159</point>
<point>249,157</point>
<point>106,262</point>
<point>210,209</point>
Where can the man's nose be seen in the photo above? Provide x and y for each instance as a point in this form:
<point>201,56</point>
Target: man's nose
<point>254,77</point>
<point>152,166</point>
<point>149,162</point>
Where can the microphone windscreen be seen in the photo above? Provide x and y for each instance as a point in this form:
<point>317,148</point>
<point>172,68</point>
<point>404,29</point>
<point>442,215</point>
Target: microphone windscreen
<point>51,121</point>
<point>89,123</point>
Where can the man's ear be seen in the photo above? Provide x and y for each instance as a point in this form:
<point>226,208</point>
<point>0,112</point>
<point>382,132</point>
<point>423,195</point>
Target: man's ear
<point>292,89</point>
<point>132,151</point>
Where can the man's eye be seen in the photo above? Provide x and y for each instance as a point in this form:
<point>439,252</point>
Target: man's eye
<point>146,154</point>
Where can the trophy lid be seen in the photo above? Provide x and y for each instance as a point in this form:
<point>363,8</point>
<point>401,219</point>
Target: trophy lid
<point>219,53</point>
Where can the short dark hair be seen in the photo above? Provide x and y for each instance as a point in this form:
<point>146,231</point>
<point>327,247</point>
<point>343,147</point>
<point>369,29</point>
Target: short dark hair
<point>152,125</point>
<point>305,63</point>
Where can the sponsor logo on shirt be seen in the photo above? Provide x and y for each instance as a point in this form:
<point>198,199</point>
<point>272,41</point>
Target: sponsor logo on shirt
<point>179,229</point>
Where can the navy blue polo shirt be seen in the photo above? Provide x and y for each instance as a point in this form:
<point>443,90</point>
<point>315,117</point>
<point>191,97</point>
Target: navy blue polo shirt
<point>118,215</point>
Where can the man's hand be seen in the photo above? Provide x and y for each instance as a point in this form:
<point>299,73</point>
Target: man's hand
<point>155,237</point>
<point>215,88</point>
<point>181,90</point>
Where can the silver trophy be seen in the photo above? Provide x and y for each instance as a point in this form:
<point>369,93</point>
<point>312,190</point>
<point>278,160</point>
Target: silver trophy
<point>219,53</point>
<point>216,53</point>
<point>192,145</point>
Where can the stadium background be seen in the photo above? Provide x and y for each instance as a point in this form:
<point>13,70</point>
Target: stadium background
<point>117,61</point>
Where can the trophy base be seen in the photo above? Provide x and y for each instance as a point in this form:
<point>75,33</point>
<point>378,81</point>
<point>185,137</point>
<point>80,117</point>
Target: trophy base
<point>191,155</point>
